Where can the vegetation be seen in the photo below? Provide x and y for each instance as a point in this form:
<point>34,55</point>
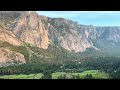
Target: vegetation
<point>56,59</point>
<point>89,74</point>
<point>58,63</point>
<point>23,76</point>
<point>8,18</point>
<point>19,49</point>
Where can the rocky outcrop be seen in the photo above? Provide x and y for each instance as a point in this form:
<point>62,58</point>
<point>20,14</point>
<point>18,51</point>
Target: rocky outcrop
<point>29,28</point>
<point>8,57</point>
<point>68,34</point>
<point>109,33</point>
<point>38,30</point>
<point>75,37</point>
<point>8,36</point>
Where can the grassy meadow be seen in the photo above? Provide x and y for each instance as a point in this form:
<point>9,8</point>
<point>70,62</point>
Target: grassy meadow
<point>95,73</point>
<point>22,76</point>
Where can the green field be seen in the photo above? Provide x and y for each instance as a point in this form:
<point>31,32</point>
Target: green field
<point>94,73</point>
<point>22,76</point>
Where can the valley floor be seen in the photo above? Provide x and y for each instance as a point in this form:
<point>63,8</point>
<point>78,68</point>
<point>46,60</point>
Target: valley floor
<point>95,74</point>
<point>22,76</point>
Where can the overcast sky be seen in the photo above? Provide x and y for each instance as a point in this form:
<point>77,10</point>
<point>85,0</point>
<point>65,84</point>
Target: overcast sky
<point>98,18</point>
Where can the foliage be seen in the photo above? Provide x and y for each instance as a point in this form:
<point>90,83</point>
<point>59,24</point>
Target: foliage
<point>47,75</point>
<point>23,76</point>
<point>57,59</point>
<point>89,74</point>
<point>19,49</point>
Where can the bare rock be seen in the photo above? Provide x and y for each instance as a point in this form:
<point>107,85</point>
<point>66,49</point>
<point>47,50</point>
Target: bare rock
<point>8,57</point>
<point>8,36</point>
<point>30,29</point>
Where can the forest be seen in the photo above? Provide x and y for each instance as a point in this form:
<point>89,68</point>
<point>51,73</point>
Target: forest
<point>56,59</point>
<point>110,65</point>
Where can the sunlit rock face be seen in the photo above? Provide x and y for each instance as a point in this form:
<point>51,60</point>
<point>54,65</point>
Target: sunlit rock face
<point>8,36</point>
<point>39,30</point>
<point>8,57</point>
<point>30,29</point>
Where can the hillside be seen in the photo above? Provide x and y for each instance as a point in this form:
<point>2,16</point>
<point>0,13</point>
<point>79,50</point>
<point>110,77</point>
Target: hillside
<point>55,40</point>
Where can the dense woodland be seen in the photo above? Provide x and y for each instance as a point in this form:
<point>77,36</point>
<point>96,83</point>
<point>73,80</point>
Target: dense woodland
<point>57,59</point>
<point>109,65</point>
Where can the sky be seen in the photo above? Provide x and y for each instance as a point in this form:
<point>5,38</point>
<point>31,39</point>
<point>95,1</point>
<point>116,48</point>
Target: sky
<point>97,18</point>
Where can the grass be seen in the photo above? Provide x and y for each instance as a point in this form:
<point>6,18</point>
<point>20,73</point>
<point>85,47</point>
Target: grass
<point>22,76</point>
<point>95,73</point>
<point>57,74</point>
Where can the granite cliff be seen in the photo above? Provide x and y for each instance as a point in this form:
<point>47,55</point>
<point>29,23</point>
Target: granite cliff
<point>40,31</point>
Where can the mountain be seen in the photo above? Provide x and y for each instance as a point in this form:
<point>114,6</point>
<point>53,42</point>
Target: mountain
<point>25,30</point>
<point>8,56</point>
<point>29,28</point>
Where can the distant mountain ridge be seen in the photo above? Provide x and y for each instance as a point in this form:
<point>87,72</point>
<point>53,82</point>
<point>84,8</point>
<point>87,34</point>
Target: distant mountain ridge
<point>40,31</point>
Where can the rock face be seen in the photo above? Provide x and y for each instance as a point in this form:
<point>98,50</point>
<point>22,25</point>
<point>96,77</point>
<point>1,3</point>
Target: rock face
<point>29,28</point>
<point>68,34</point>
<point>38,30</point>
<point>109,33</point>
<point>8,36</point>
<point>75,37</point>
<point>8,57</point>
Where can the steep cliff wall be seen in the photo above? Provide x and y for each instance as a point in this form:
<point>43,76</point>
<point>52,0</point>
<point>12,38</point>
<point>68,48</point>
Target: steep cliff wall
<point>39,30</point>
